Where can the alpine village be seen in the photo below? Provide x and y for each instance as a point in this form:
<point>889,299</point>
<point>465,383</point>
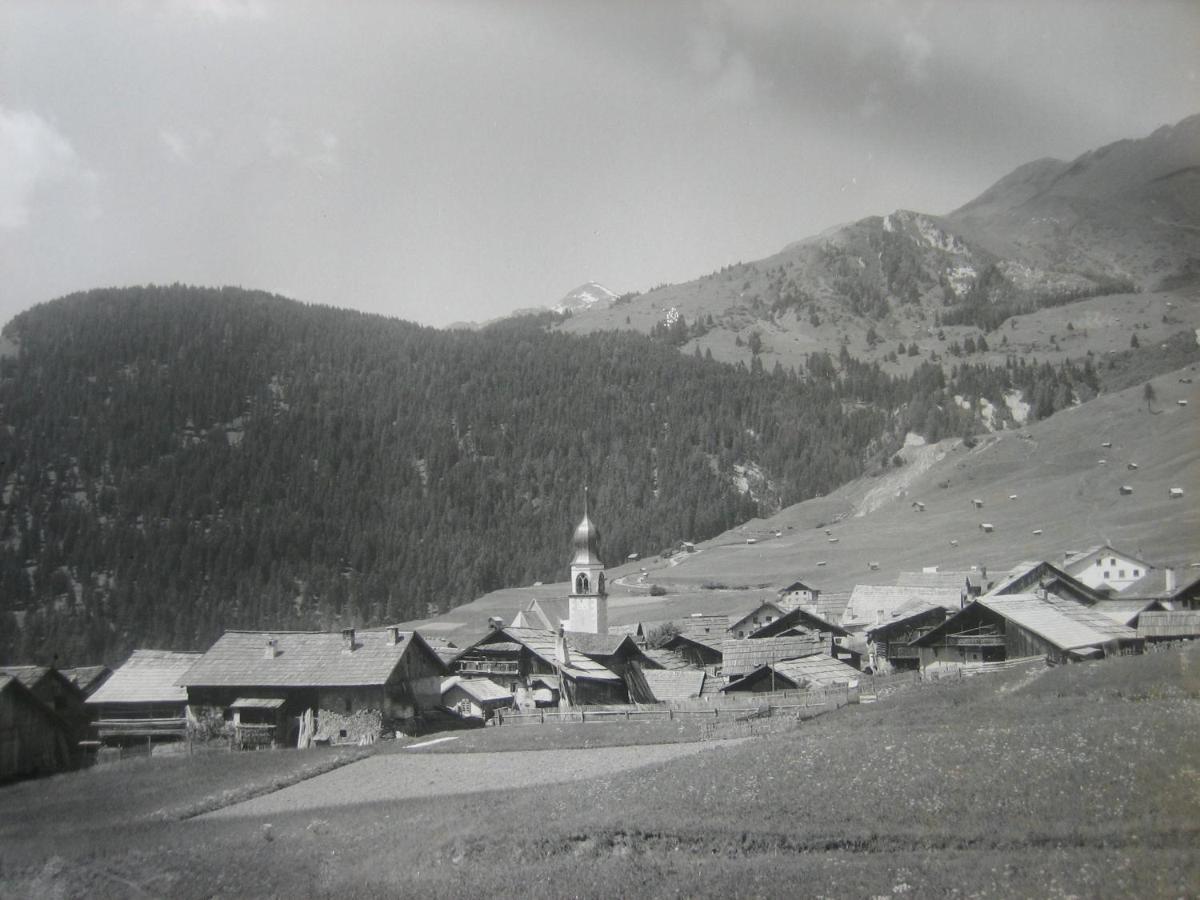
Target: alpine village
<point>887,518</point>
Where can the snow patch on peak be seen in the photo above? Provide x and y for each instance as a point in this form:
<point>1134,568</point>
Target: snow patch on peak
<point>586,296</point>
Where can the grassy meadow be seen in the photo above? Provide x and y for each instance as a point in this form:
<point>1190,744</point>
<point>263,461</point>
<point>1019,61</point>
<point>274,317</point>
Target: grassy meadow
<point>1074,781</point>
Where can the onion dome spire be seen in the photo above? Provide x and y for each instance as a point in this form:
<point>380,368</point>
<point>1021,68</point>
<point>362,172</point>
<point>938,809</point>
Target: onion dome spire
<point>586,541</point>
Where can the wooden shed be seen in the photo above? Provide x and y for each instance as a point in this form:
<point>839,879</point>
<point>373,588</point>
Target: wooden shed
<point>1173,625</point>
<point>33,739</point>
<point>815,671</point>
<point>474,698</point>
<point>59,694</point>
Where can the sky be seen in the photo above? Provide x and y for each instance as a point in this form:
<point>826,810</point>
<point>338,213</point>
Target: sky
<point>454,161</point>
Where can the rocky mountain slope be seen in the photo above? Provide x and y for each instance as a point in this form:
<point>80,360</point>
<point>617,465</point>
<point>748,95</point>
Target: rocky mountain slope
<point>1121,219</point>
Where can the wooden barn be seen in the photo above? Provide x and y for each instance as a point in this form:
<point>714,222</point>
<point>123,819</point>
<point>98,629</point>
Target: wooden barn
<point>357,683</point>
<point>742,657</point>
<point>1172,625</point>
<point>59,694</point>
<point>670,685</point>
<point>34,740</point>
<point>700,650</point>
<point>815,671</point>
<point>143,700</point>
<point>996,628</point>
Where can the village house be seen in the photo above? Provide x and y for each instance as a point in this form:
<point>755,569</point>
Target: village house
<point>540,668</point>
<point>807,672</point>
<point>357,683</point>
<point>143,700</point>
<point>797,594</point>
<point>34,740</point>
<point>1105,567</point>
<point>999,627</point>
<point>970,583</point>
<point>1046,578</point>
<point>889,646</point>
<point>547,615</point>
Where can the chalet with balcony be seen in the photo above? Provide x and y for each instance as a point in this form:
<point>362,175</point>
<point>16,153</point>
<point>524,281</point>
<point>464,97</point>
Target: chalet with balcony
<point>889,646</point>
<point>541,668</point>
<point>995,628</point>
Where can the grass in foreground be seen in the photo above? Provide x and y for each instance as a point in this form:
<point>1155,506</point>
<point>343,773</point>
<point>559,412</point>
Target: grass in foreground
<point>1079,782</point>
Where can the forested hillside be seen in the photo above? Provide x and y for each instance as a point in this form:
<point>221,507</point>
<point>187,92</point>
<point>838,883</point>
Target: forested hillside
<point>176,461</point>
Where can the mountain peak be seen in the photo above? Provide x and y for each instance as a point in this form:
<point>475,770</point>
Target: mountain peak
<point>591,295</point>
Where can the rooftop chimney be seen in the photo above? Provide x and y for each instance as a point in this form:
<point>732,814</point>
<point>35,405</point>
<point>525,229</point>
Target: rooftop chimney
<point>393,635</point>
<point>348,639</point>
<point>272,649</point>
<point>1169,579</point>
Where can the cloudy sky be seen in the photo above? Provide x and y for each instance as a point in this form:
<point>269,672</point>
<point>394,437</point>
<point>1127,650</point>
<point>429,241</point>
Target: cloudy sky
<point>457,160</point>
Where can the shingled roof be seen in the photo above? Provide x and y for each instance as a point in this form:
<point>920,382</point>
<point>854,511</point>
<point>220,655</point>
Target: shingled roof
<point>867,600</point>
<point>1172,624</point>
<point>808,671</point>
<point>148,676</point>
<point>542,645</point>
<point>743,656</point>
<point>303,659</point>
<point>481,690</point>
<point>1063,623</point>
<point>675,684</point>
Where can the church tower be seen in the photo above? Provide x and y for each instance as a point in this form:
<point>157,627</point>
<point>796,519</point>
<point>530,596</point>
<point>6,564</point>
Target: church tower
<point>588,597</point>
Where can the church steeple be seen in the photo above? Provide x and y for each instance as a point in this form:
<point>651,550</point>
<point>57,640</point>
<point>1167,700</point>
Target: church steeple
<point>588,597</point>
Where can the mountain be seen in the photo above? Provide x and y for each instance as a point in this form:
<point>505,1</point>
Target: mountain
<point>585,297</point>
<point>1123,219</point>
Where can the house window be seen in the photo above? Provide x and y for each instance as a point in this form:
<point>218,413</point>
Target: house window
<point>1121,573</point>
<point>1137,572</point>
<point>741,634</point>
<point>770,618</point>
<point>1105,573</point>
<point>1098,562</point>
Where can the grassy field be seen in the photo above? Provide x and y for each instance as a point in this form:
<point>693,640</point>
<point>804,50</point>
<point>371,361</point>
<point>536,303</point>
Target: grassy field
<point>1076,781</point>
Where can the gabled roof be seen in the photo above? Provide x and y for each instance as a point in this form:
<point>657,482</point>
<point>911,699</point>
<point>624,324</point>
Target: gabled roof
<point>866,600</point>
<point>952,579</point>
<point>1151,586</point>
<point>1063,623</point>
<point>87,678</point>
<point>908,617</point>
<point>830,605</point>
<point>1027,575</point>
<point>715,625</point>
<point>542,644</point>
<point>446,650</point>
<point>796,586</point>
<point>800,617</point>
<point>148,676</point>
<point>666,659</point>
<point>703,641</point>
<point>675,684</point>
<point>1177,623</point>
<point>743,656</point>
<point>29,676</point>
<point>305,659</point>
<point>600,644</point>
<point>1125,611</point>
<point>481,690</point>
<point>547,614</point>
<point>772,606</point>
<point>1074,563</point>
<point>815,670</point>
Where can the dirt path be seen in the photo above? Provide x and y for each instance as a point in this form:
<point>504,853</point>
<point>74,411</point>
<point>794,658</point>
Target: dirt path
<point>398,776</point>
